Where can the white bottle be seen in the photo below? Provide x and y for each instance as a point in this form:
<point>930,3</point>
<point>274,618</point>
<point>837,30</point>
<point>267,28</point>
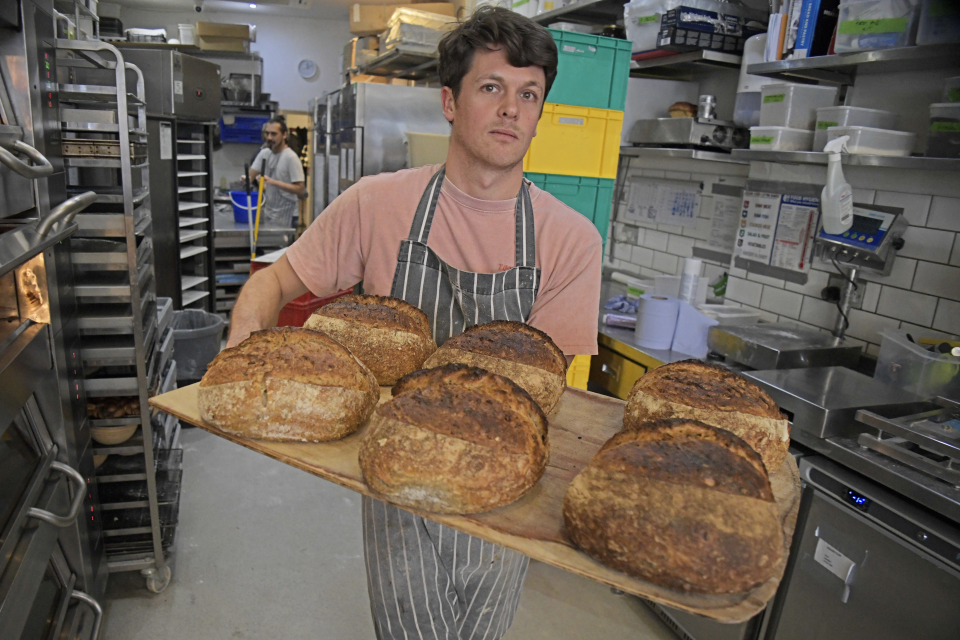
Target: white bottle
<point>836,199</point>
<point>690,279</point>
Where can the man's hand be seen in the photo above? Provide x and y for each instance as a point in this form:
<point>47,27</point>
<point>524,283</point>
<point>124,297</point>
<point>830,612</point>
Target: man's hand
<point>262,298</point>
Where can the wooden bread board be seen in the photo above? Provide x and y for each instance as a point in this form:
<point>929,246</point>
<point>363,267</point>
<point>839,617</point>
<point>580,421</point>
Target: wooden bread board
<point>533,525</point>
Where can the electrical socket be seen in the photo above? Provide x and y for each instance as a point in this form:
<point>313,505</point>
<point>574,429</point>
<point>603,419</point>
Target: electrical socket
<point>856,301</point>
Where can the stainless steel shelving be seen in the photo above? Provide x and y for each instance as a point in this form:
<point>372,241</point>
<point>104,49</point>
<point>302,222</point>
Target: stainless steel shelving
<point>816,157</point>
<point>684,65</point>
<point>115,282</point>
<point>680,154</point>
<point>585,12</point>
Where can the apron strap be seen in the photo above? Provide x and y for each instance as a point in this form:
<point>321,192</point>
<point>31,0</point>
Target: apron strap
<point>526,246</point>
<point>420,228</point>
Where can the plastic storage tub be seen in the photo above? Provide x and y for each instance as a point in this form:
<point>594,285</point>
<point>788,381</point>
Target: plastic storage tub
<point>576,141</point>
<point>592,71</point>
<point>188,33</point>
<point>951,89</point>
<point>910,366</point>
<point>874,142</point>
<point>780,139</point>
<point>943,138</point>
<point>728,315</point>
<point>243,206</point>
<point>593,197</point>
<point>794,105</point>
<point>196,341</point>
<point>939,22</point>
<point>850,117</point>
<point>876,24</point>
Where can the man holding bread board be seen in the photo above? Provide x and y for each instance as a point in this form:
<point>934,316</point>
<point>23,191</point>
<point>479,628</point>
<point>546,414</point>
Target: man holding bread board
<point>468,242</point>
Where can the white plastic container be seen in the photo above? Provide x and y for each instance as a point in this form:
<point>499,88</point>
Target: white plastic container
<point>939,22</point>
<point>728,315</point>
<point>943,137</point>
<point>780,139</point>
<point>876,24</point>
<point>526,8</point>
<point>794,105</point>
<point>910,366</point>
<point>188,33</point>
<point>875,142</point>
<point>849,117</point>
<point>951,89</point>
<point>746,110</point>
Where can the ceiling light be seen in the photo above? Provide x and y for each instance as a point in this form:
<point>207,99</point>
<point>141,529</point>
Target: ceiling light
<point>253,6</point>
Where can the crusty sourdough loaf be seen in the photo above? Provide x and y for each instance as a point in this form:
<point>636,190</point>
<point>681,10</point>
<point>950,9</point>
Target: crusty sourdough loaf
<point>680,504</point>
<point>455,439</point>
<point>717,396</point>
<point>287,384</point>
<point>390,336</point>
<point>514,350</point>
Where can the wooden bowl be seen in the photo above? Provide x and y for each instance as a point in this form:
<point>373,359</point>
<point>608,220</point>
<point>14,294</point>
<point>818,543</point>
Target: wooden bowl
<point>113,435</point>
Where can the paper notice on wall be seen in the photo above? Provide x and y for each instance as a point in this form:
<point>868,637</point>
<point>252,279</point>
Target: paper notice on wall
<point>166,141</point>
<point>724,217</point>
<point>777,230</point>
<point>663,201</point>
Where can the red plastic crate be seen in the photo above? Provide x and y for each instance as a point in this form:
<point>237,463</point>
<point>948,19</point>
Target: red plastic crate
<point>296,312</point>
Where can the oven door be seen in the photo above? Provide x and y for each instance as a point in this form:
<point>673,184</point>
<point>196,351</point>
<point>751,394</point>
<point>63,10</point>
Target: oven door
<point>58,611</point>
<point>39,495</point>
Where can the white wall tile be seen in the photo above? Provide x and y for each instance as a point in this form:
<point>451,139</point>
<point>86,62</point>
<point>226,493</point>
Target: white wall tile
<point>701,231</point>
<point>640,235</point>
<point>680,246</point>
<point>907,305</point>
<point>900,276</point>
<point>948,317</point>
<point>818,312</point>
<point>737,272</point>
<point>621,251</point>
<point>927,244</point>
<point>712,272</point>
<point>744,291</point>
<point>642,256</point>
<point>816,281</point>
<point>871,296</point>
<point>649,273</point>
<point>867,326</point>
<point>915,207</point>
<point>935,183</point>
<point>937,279</point>
<point>670,228</point>
<point>676,175</point>
<point>653,173</point>
<point>665,263</point>
<point>945,213</point>
<point>656,240</point>
<point>766,316</point>
<point>770,282</point>
<point>781,302</point>
<point>955,256</point>
<point>864,196</point>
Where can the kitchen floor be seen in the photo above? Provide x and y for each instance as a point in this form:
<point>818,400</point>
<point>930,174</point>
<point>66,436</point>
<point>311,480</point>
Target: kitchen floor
<point>267,551</point>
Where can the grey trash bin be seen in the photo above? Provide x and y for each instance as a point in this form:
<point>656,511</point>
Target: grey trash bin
<point>196,341</point>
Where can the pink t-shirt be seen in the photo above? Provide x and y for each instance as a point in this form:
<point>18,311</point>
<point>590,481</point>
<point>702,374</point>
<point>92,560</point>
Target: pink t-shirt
<point>357,238</point>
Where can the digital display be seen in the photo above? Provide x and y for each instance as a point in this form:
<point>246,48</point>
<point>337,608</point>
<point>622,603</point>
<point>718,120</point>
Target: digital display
<point>857,500</point>
<point>865,225</point>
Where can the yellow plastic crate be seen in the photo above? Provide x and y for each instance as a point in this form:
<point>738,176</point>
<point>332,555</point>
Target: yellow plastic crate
<point>579,372</point>
<point>576,141</point>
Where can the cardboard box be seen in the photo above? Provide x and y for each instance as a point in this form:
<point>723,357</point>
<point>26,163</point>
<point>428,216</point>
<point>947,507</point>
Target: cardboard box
<point>223,30</point>
<point>220,43</point>
<point>371,19</point>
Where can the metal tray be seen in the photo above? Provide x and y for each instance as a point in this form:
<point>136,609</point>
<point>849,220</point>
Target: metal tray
<point>111,225</point>
<point>84,148</point>
<point>111,286</point>
<point>107,387</point>
<point>104,319</point>
<point>164,313</point>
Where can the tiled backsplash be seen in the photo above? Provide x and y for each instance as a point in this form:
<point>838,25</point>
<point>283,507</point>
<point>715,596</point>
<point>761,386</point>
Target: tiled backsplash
<point>923,289</point>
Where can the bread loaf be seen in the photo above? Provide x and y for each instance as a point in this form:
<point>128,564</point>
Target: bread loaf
<point>680,504</point>
<point>716,396</point>
<point>455,439</point>
<point>390,336</point>
<point>287,384</point>
<point>514,350</point>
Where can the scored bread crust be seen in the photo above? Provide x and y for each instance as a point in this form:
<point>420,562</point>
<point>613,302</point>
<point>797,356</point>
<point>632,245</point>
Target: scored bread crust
<point>716,396</point>
<point>287,384</point>
<point>455,440</point>
<point>680,504</point>
<point>514,350</point>
<point>390,336</point>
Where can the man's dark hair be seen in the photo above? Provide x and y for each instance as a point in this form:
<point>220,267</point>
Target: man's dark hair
<point>280,120</point>
<point>525,42</point>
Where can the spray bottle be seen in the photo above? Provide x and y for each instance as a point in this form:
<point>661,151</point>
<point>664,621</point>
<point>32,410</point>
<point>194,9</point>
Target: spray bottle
<point>836,199</point>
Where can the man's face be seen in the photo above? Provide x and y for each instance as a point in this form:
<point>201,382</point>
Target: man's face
<point>495,116</point>
<point>272,136</point>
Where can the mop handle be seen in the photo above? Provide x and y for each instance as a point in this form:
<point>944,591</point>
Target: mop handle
<point>256,229</point>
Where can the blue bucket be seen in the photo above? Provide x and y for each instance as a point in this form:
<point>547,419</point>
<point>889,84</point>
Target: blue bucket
<point>244,206</point>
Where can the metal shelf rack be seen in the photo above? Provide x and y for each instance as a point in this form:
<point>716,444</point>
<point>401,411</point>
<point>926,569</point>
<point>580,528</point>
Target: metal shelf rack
<point>816,157</point>
<point>684,65</point>
<point>125,346</point>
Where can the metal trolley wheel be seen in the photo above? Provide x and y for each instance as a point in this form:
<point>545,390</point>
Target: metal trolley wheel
<point>157,579</point>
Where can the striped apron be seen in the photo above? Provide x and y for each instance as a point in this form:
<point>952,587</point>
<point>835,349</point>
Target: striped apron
<point>427,581</point>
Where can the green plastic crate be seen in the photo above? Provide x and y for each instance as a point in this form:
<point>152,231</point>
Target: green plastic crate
<point>593,197</point>
<point>592,71</point>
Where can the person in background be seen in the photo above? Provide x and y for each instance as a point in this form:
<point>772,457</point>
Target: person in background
<point>283,178</point>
